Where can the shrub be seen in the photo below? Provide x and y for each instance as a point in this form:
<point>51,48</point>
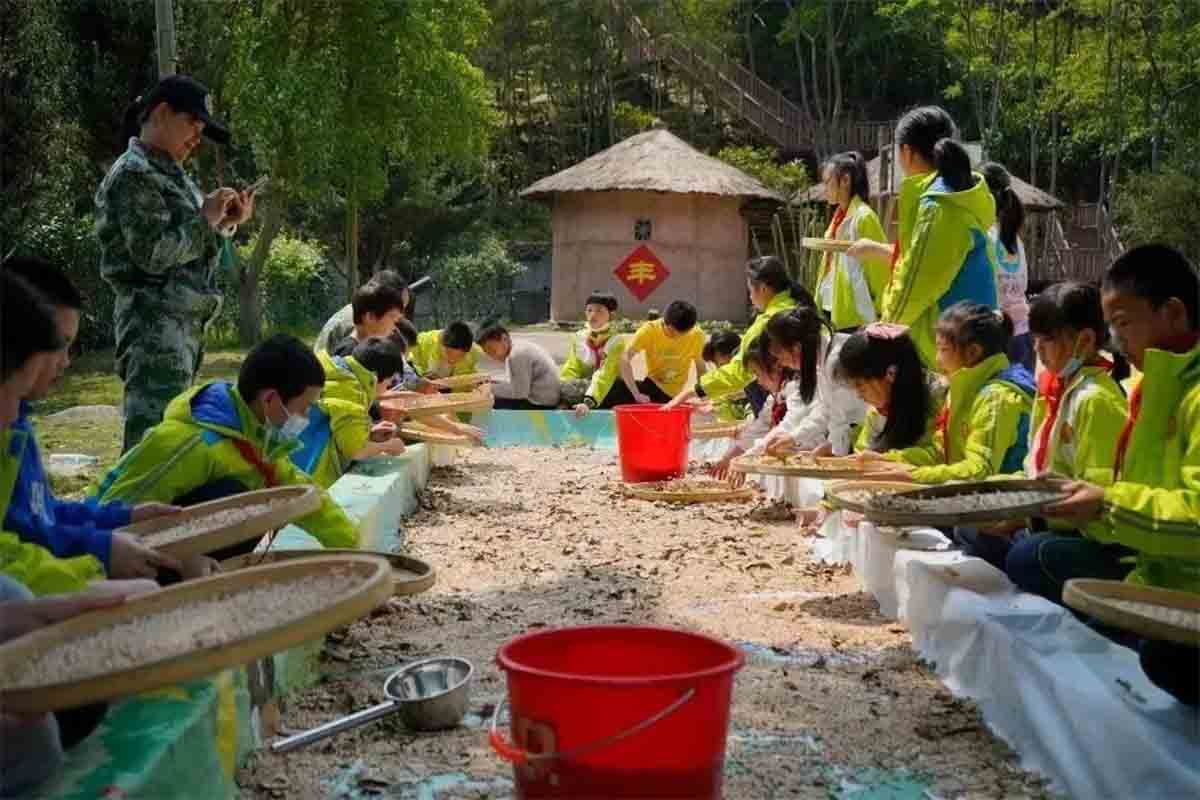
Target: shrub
<point>473,280</point>
<point>70,242</point>
<point>1161,208</point>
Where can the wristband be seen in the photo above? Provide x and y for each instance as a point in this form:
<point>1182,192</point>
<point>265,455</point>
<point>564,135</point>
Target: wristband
<point>590,402</point>
<point>699,390</point>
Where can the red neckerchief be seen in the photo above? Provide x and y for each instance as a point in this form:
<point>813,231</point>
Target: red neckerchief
<point>839,217</point>
<point>895,255</point>
<point>1052,387</point>
<point>270,478</point>
<point>597,349</point>
<point>1179,344</point>
<point>778,410</point>
<point>943,427</point>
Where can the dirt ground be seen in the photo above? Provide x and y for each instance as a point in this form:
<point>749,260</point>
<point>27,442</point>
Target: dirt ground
<point>832,701</point>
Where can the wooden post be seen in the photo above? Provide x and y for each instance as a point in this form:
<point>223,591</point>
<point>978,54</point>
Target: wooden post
<point>164,23</point>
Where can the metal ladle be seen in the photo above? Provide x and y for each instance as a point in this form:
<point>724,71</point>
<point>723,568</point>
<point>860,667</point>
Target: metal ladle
<point>430,695</point>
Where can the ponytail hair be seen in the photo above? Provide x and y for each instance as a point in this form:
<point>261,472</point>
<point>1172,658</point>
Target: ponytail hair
<point>953,165</point>
<point>801,327</point>
<point>770,271</point>
<point>923,127</point>
<point>135,116</point>
<point>1010,212</point>
<point>853,164</point>
<point>864,357</point>
<point>964,324</point>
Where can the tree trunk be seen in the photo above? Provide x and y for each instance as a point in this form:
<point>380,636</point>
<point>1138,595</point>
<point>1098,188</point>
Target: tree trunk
<point>249,302</point>
<point>351,245</point>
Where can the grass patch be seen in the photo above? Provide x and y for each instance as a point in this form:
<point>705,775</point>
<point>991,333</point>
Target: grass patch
<point>91,381</point>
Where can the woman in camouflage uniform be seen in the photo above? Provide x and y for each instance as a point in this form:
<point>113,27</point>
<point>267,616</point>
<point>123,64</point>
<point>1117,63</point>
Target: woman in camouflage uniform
<point>160,247</point>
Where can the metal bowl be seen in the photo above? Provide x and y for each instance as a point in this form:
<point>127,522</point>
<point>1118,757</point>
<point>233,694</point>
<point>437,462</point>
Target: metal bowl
<point>432,694</point>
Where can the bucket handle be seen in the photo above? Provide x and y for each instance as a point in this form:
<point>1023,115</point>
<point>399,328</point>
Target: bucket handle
<point>652,432</point>
<point>516,755</point>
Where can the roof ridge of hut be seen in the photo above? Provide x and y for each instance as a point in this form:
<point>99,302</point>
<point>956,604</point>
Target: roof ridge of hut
<point>654,161</point>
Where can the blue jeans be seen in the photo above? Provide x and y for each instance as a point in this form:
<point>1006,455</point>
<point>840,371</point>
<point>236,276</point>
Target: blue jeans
<point>1043,563</point>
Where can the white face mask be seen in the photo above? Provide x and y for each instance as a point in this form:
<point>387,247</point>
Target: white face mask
<point>294,426</point>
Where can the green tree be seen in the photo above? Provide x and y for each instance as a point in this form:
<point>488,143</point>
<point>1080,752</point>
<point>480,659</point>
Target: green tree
<point>331,92</point>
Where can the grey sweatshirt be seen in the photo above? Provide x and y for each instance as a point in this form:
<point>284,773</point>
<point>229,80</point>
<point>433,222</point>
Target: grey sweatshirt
<point>531,375</point>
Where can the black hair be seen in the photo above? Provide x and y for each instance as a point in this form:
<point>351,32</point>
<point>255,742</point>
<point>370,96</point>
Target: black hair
<point>965,323</point>
<point>724,343</point>
<point>770,271</point>
<point>377,297</point>
<point>28,324</point>
<point>851,163</point>
<point>1156,273</point>
<point>680,315</point>
<point>606,299</point>
<point>283,363</point>
<point>383,356</point>
<point>802,326</point>
<point>1073,306</point>
<point>931,132</point>
<point>406,332</point>
<point>1068,306</point>
<point>759,353</point>
<point>865,358</point>
<point>490,330</point>
<point>49,280</point>
<point>1010,211</point>
<point>457,336</point>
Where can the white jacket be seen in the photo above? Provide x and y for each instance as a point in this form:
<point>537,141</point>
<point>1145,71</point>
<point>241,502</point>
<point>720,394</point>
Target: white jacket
<point>830,417</point>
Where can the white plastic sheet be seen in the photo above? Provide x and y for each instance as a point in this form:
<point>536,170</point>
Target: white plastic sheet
<point>1072,704</point>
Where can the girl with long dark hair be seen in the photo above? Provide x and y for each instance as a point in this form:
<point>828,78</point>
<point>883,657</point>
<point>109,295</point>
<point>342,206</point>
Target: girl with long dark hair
<point>826,412</point>
<point>849,288</point>
<point>1012,270</point>
<point>942,255</point>
<point>903,398</point>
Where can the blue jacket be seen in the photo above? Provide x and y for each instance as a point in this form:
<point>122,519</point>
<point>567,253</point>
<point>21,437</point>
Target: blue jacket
<point>65,528</point>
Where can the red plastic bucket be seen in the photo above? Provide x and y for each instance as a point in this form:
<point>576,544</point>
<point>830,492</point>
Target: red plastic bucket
<point>611,711</point>
<point>652,441</point>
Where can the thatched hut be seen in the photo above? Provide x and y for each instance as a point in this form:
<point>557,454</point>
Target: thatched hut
<point>652,220</point>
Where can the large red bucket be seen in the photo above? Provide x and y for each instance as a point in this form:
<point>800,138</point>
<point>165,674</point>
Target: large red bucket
<point>612,711</point>
<point>652,441</point>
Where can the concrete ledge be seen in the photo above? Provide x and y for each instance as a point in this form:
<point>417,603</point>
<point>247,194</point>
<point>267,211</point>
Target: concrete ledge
<point>187,741</point>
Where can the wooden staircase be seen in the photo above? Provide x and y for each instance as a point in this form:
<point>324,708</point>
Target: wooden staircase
<point>1084,247</point>
<point>743,93</point>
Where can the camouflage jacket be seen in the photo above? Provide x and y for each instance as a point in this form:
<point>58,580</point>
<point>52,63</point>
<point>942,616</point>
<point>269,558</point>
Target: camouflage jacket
<point>154,240</point>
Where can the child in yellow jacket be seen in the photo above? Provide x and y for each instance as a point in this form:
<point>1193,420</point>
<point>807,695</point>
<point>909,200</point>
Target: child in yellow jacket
<point>983,429</point>
<point>1077,417</point>
<point>1151,299</point>
<point>345,425</point>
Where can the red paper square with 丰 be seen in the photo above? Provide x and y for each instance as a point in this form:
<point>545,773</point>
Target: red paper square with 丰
<point>642,272</point>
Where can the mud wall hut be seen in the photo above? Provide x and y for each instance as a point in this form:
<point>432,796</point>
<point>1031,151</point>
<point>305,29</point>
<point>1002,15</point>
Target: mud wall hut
<point>651,219</point>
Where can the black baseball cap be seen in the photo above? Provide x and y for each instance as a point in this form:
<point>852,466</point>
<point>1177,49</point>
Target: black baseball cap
<point>188,96</point>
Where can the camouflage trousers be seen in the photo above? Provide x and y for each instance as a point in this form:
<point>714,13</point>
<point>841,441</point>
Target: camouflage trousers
<point>158,356</point>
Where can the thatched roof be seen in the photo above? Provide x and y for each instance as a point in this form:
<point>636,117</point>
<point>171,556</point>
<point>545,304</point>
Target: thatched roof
<point>1033,198</point>
<point>654,161</point>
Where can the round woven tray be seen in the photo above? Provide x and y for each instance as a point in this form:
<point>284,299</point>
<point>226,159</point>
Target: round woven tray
<point>825,245</point>
<point>951,518</point>
<point>399,409</point>
<point>288,503</point>
<point>821,467</point>
<point>660,492</point>
<point>461,382</point>
<point>722,430</point>
<point>373,586</point>
<point>835,493</point>
<point>417,432</point>
<point>1151,612</point>
<point>409,575</point>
